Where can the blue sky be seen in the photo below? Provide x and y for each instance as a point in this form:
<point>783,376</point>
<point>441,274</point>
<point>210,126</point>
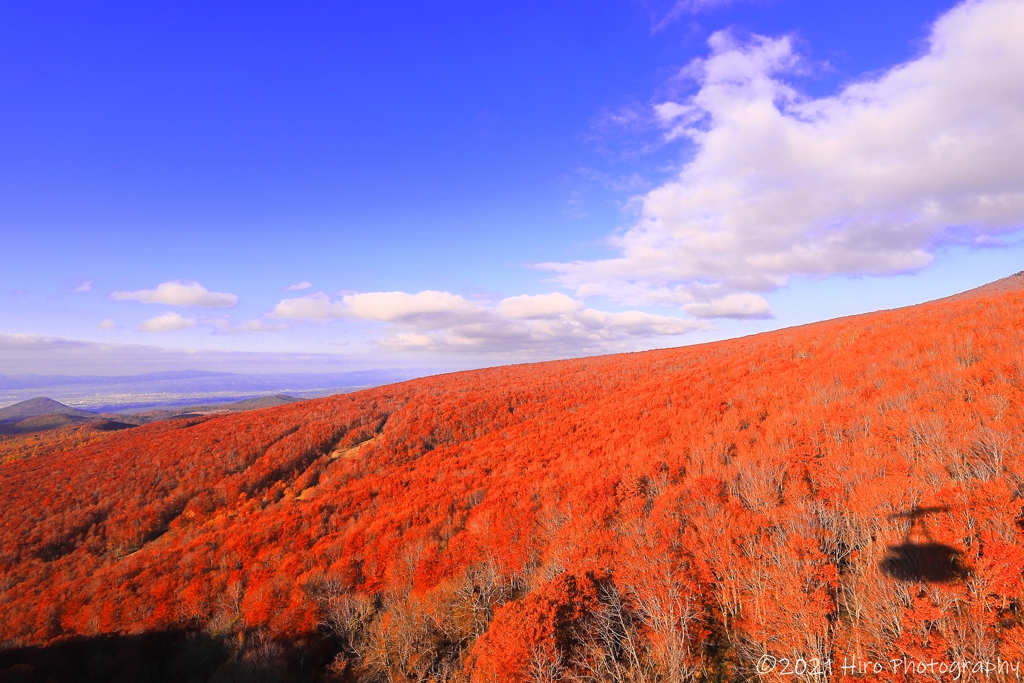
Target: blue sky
<point>450,185</point>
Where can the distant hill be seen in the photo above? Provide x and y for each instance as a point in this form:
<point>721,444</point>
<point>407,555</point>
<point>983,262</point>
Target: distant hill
<point>262,402</point>
<point>247,404</point>
<point>716,512</point>
<point>42,414</point>
<point>40,423</point>
<point>35,407</point>
<point>236,406</point>
<point>44,423</point>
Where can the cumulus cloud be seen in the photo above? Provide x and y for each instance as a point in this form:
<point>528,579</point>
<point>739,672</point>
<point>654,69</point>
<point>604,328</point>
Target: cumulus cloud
<point>585,331</point>
<point>539,306</point>
<point>167,322</point>
<point>868,181</point>
<point>107,324</point>
<point>316,306</point>
<point>298,286</point>
<point>179,293</point>
<point>404,307</point>
<point>84,288</point>
<point>546,323</point>
<point>429,306</point>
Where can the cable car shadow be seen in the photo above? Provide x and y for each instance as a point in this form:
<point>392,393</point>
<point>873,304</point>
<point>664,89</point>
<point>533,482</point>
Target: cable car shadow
<point>927,562</point>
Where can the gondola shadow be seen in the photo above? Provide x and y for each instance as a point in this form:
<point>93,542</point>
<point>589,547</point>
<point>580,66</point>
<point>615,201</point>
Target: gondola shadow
<point>927,562</point>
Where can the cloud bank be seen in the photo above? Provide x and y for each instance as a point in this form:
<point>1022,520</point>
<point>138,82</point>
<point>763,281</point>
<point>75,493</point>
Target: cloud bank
<point>179,293</point>
<point>869,181</point>
<point>40,354</point>
<point>545,323</point>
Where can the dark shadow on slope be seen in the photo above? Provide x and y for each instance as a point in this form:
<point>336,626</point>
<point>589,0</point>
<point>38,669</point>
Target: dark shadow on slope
<point>928,561</point>
<point>112,425</point>
<point>171,657</point>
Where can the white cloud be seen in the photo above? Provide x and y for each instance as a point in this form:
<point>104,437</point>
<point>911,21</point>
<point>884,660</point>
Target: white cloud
<point>868,181</point>
<point>298,286</point>
<point>167,322</point>
<point>427,306</point>
<point>579,332</point>
<point>409,340</point>
<point>543,324</point>
<point>738,306</point>
<point>316,306</point>
<point>107,324</point>
<point>179,293</point>
<point>539,306</point>
<point>257,325</point>
<point>635,323</point>
<point>84,288</point>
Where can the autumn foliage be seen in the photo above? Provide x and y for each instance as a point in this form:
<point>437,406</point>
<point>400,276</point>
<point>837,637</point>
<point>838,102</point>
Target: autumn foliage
<point>849,489</point>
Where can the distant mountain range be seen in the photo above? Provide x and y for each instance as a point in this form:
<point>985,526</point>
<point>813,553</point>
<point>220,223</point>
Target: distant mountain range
<point>209,380</point>
<point>185,388</point>
<point>42,414</point>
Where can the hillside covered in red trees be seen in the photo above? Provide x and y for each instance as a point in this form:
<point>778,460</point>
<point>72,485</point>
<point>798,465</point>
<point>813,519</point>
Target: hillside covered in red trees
<point>844,491</point>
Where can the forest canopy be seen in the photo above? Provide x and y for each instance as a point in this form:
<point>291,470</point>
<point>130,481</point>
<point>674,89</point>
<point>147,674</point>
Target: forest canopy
<point>843,491</point>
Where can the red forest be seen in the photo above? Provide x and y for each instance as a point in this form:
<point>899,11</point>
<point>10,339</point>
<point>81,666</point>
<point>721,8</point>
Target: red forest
<point>842,493</point>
